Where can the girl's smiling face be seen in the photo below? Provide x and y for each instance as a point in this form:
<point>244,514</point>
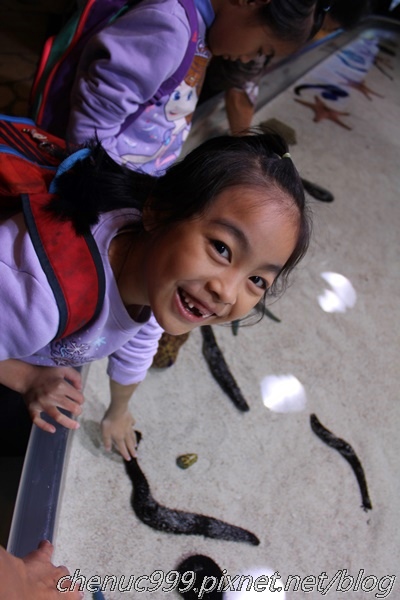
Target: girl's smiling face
<point>216,267</point>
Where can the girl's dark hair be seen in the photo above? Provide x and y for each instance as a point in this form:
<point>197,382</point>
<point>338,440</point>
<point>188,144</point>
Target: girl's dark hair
<point>289,19</point>
<point>97,184</point>
<point>349,14</point>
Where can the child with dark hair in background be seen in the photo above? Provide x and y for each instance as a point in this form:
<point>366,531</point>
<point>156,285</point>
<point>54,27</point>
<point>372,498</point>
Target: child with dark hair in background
<point>240,80</point>
<point>123,66</point>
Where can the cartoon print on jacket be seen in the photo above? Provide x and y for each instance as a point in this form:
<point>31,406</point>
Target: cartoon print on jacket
<point>167,124</point>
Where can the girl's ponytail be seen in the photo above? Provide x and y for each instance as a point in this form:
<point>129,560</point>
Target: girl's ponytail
<point>96,185</point>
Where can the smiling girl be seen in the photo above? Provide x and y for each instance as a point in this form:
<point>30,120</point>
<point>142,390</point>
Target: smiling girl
<point>202,244</point>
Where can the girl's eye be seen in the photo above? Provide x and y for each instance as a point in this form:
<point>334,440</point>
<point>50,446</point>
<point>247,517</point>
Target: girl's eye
<point>259,282</point>
<point>222,249</point>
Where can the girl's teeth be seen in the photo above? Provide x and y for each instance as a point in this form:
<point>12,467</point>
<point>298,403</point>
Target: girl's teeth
<point>188,302</point>
<point>191,306</point>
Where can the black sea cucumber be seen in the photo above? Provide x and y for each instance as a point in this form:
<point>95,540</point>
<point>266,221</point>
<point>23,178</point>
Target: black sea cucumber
<point>220,370</point>
<point>203,571</point>
<point>261,309</point>
<point>267,313</point>
<point>169,520</point>
<point>348,453</point>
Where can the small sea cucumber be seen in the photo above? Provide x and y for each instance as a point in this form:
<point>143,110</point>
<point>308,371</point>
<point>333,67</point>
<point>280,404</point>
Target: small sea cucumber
<point>262,310</point>
<point>317,191</point>
<point>348,453</point>
<point>169,520</point>
<point>220,370</point>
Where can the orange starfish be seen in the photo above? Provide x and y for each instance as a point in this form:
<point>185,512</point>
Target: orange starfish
<point>323,111</point>
<point>361,87</point>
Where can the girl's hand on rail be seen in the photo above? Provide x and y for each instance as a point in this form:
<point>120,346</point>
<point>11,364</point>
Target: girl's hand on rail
<point>50,388</point>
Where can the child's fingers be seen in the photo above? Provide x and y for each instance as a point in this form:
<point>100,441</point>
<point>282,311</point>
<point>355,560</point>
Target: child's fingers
<point>73,376</point>
<point>73,394</point>
<point>61,418</point>
<point>43,552</point>
<point>127,445</point>
<point>41,423</point>
<point>46,549</point>
<point>50,574</point>
<point>68,404</point>
<point>55,414</point>
<point>131,444</point>
<point>107,439</point>
<point>123,450</point>
<point>122,437</point>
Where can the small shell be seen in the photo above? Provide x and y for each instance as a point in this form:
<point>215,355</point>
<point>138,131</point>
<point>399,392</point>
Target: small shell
<point>186,460</point>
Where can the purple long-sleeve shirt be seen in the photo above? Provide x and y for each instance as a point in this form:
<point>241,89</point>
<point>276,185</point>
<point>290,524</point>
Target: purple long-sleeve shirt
<point>29,314</point>
<point>122,67</point>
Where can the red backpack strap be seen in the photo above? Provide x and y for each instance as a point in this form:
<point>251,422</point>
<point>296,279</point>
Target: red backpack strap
<point>29,167</point>
<point>72,265</point>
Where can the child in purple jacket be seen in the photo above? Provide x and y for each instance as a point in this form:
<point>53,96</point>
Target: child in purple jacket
<point>124,65</point>
<point>173,261</point>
